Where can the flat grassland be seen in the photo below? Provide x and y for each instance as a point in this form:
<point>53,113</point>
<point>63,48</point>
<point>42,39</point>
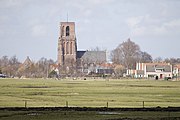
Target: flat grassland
<point>88,93</point>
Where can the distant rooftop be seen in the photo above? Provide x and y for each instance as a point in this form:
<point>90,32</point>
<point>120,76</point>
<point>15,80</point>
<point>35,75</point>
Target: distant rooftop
<point>152,68</point>
<point>27,62</point>
<point>92,56</point>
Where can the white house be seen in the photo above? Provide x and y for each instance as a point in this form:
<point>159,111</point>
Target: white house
<point>149,70</point>
<point>152,70</point>
<point>176,70</point>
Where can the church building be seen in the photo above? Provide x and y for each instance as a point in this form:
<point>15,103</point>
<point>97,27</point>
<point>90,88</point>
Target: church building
<point>67,49</point>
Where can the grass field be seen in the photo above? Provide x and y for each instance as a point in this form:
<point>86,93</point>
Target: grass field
<point>88,93</point>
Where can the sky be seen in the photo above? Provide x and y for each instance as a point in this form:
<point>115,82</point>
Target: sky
<point>31,27</point>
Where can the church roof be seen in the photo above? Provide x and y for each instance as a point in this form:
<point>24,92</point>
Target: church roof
<point>92,56</point>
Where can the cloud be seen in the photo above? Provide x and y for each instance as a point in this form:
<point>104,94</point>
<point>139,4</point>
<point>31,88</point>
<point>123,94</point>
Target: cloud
<point>98,2</point>
<point>135,25</point>
<point>134,21</point>
<point>173,23</point>
<point>147,26</point>
<point>39,30</point>
<point>96,20</point>
<point>13,3</point>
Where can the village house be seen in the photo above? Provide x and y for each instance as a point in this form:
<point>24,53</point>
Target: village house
<point>176,70</point>
<point>152,70</point>
<point>105,68</point>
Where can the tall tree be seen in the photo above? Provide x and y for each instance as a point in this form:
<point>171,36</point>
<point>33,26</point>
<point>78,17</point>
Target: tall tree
<point>172,60</point>
<point>14,64</point>
<point>119,70</point>
<point>4,64</point>
<point>4,61</point>
<point>116,56</point>
<point>145,57</point>
<point>126,53</point>
<point>43,66</point>
<point>9,66</point>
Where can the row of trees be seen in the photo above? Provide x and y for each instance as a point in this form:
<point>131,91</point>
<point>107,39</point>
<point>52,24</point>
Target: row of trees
<point>9,66</point>
<point>128,53</point>
<point>12,67</point>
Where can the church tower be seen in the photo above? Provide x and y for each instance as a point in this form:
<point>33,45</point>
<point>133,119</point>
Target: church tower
<point>67,47</point>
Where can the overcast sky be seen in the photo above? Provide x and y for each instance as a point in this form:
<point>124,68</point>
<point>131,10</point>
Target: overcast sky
<point>31,27</point>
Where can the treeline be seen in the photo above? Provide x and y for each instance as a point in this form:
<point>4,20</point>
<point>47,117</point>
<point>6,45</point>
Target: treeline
<point>129,53</point>
<point>124,56</point>
<point>12,67</point>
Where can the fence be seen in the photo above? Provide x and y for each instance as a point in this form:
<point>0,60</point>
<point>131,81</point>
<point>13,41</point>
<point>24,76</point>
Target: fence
<point>107,104</point>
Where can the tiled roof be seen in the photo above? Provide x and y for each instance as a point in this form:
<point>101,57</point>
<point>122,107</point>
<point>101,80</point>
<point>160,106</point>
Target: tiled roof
<point>54,65</point>
<point>80,54</point>
<point>92,56</point>
<point>27,62</point>
<point>177,66</point>
<point>152,68</point>
<point>107,65</point>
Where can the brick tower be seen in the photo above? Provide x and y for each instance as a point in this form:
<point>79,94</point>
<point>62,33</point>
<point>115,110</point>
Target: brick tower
<point>67,47</point>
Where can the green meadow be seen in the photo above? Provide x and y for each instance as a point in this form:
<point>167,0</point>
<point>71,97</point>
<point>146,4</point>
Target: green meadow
<point>89,93</point>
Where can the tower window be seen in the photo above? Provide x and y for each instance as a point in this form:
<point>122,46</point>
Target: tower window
<point>67,31</point>
<point>64,48</point>
<point>62,31</point>
<point>71,47</point>
<point>67,48</point>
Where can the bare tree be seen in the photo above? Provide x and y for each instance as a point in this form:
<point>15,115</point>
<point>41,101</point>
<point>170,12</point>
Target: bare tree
<point>43,66</point>
<point>145,57</point>
<point>172,60</point>
<point>4,64</point>
<point>116,56</point>
<point>4,61</point>
<point>14,64</point>
<point>95,49</point>
<point>158,59</point>
<point>12,67</point>
<point>119,70</point>
<point>28,71</point>
<point>9,66</point>
<point>35,69</point>
<point>127,54</point>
